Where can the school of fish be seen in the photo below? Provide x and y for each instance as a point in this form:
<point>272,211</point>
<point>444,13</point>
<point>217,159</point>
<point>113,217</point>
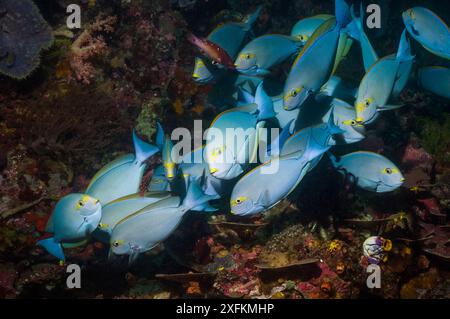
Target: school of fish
<point>253,178</point>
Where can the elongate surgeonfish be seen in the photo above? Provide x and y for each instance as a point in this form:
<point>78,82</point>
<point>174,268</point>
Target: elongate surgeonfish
<point>262,53</point>
<point>299,154</point>
<point>74,218</point>
<point>435,79</point>
<point>429,30</point>
<point>370,57</point>
<point>379,83</point>
<point>229,36</point>
<point>316,62</point>
<point>122,176</point>
<point>305,28</point>
<point>148,227</point>
<point>232,139</point>
<point>372,171</point>
<point>344,117</point>
<point>115,211</point>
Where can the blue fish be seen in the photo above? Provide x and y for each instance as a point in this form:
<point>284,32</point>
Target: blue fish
<point>429,30</point>
<point>373,172</point>
<point>316,62</point>
<point>230,37</point>
<point>384,79</point>
<point>262,53</point>
<point>115,211</point>
<point>435,79</point>
<point>122,176</point>
<point>299,154</point>
<point>344,117</point>
<point>74,218</point>
<point>145,229</point>
<point>305,28</point>
<point>232,139</point>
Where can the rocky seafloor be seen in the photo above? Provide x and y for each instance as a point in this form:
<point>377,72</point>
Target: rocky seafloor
<point>131,65</point>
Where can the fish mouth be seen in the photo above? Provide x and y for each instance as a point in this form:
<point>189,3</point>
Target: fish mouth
<point>246,70</point>
<point>199,79</point>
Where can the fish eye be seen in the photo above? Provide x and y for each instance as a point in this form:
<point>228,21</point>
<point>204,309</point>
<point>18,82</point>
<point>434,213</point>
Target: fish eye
<point>81,203</point>
<point>367,102</point>
<point>353,122</point>
<point>388,170</point>
<point>238,201</point>
<point>116,244</point>
<point>294,93</point>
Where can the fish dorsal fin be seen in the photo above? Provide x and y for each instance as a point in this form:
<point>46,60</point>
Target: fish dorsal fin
<point>264,102</point>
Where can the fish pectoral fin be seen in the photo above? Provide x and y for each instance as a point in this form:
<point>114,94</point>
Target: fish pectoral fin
<point>415,31</point>
<point>263,199</point>
<point>262,72</point>
<point>134,254</point>
<point>389,107</point>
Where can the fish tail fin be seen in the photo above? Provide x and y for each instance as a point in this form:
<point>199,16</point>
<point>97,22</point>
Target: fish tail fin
<point>159,140</point>
<point>251,18</point>
<point>53,247</point>
<point>244,97</point>
<point>195,196</point>
<point>276,146</point>
<point>342,12</point>
<point>264,102</point>
<point>142,149</point>
<point>355,28</point>
<point>404,49</point>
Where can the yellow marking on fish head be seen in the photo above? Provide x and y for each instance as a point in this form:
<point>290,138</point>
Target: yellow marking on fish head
<point>118,243</point>
<point>389,170</point>
<point>238,201</point>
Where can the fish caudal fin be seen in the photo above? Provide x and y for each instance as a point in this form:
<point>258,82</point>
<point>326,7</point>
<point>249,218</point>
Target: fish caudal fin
<point>54,248</point>
<point>142,149</point>
<point>342,12</point>
<point>195,197</point>
<point>404,49</point>
<point>251,19</point>
<point>264,102</point>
